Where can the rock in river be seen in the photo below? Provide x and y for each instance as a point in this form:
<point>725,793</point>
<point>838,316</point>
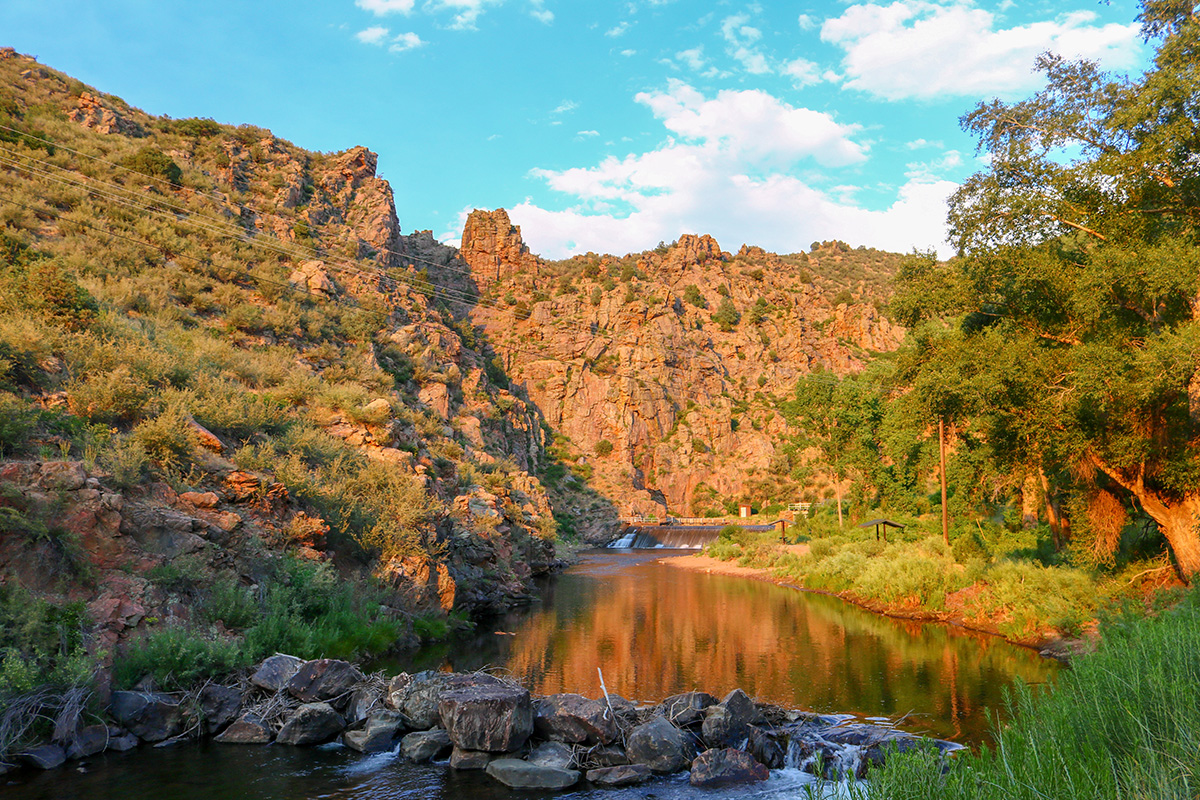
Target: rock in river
<point>659,745</point>
<point>725,768</point>
<point>523,775</point>
<point>497,717</point>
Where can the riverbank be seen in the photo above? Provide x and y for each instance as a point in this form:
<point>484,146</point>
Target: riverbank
<point>1049,644</point>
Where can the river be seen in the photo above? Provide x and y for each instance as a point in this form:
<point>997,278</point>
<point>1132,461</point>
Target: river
<point>652,630</point>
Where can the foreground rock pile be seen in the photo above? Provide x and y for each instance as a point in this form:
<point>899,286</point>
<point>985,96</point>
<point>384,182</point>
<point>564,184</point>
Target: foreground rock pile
<point>480,722</point>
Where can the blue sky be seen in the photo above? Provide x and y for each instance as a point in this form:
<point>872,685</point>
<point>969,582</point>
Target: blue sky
<point>604,126</point>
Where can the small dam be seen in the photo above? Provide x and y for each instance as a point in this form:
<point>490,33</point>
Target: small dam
<point>675,537</point>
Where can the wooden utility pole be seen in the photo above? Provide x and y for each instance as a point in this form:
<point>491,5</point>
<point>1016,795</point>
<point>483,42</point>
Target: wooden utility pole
<point>945,511</point>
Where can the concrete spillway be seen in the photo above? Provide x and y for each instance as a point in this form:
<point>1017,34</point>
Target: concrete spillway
<point>679,537</point>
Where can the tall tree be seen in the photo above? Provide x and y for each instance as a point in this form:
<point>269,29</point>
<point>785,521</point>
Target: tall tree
<point>1079,251</point>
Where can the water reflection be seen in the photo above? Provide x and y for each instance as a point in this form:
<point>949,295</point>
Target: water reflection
<point>657,630</point>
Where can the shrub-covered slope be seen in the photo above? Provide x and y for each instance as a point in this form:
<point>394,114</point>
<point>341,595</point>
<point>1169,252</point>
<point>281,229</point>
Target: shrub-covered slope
<point>234,404</point>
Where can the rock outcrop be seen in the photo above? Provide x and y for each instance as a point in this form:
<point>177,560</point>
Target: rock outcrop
<point>493,248</point>
<point>663,372</point>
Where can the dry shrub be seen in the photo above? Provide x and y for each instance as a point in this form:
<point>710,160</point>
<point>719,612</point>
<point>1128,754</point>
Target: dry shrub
<point>1107,517</point>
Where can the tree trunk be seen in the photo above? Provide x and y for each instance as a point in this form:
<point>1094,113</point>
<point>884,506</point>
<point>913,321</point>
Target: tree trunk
<point>1180,524</point>
<point>1051,512</point>
<point>839,501</point>
<point>1179,520</point>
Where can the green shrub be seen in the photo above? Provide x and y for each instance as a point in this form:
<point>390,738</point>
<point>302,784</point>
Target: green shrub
<point>152,162</point>
<point>197,128</point>
<point>726,315</point>
<point>168,439</point>
<point>125,460</point>
<point>603,448</point>
<point>40,643</point>
<point>177,657</point>
<point>115,396</point>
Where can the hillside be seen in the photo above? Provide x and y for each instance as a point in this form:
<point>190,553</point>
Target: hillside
<point>216,368</point>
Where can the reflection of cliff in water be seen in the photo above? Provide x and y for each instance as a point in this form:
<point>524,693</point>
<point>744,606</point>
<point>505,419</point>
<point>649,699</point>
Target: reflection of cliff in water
<point>658,630</point>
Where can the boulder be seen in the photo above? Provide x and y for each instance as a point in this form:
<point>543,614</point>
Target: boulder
<point>497,718</point>
<point>323,680</point>
<point>393,697</point>
<point>765,748</point>
<point>658,744</point>
<point>470,759</point>
<point>612,755</point>
<point>311,723</point>
<point>423,746</point>
<point>274,673</point>
<point>574,718</point>
<point>363,702</point>
<point>48,756</point>
<point>626,775</point>
<point>378,735</point>
<point>247,729</point>
<point>121,741</point>
<point>150,716</point>
<point>726,767</point>
<point>687,708</point>
<point>518,774</point>
<point>552,754</point>
<point>420,699</point>
<point>741,708</point>
<point>88,741</point>
<point>625,710</point>
<point>219,706</point>
<point>728,724</point>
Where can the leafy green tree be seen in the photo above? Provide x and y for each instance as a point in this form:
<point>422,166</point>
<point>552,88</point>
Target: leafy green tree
<point>1079,256</point>
<point>833,416</point>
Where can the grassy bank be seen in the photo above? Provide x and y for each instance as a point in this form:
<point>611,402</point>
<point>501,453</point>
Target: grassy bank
<point>1009,583</point>
<point>1124,722</point>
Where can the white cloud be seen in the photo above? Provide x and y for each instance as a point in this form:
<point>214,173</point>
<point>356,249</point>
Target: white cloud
<point>587,133</point>
<point>802,72</point>
<point>540,13</point>
<point>466,12</point>
<point>565,107</point>
<point>931,170</point>
<point>373,35</point>
<point>628,53</point>
<point>405,41</point>
<point>381,7</point>
<point>806,22</point>
<point>732,167</point>
<point>618,30</point>
<point>922,49</point>
<point>693,58</point>
<point>754,124</point>
<point>740,38</point>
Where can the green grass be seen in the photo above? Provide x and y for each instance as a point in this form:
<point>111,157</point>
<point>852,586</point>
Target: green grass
<point>1124,722</point>
<point>301,608</point>
<point>914,570</point>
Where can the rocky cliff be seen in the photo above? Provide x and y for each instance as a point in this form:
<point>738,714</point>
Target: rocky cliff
<point>661,372</point>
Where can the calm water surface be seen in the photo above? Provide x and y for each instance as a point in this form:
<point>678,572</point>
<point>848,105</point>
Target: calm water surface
<point>653,630</point>
<point>657,630</point>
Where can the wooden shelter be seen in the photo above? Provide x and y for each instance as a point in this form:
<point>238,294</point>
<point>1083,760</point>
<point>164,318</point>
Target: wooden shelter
<point>881,526</point>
